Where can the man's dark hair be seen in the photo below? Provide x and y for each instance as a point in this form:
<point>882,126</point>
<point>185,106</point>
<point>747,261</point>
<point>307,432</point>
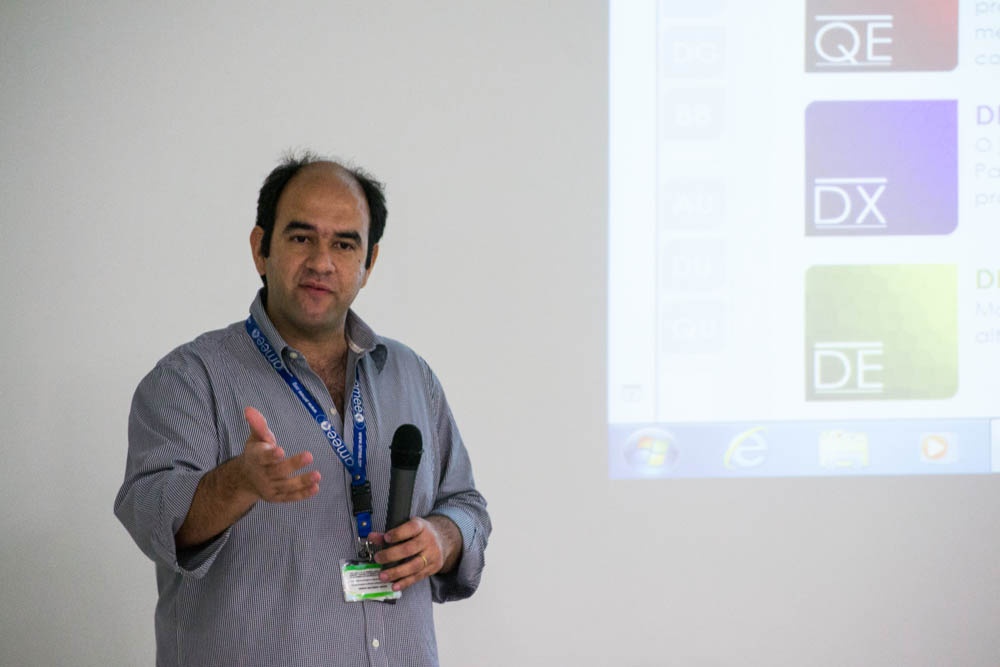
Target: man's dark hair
<point>274,185</point>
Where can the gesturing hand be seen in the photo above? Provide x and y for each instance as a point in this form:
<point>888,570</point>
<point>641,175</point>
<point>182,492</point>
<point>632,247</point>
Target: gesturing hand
<point>229,491</point>
<point>267,473</point>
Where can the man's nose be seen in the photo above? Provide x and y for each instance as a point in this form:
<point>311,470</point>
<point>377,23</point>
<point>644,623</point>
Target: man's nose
<point>321,259</point>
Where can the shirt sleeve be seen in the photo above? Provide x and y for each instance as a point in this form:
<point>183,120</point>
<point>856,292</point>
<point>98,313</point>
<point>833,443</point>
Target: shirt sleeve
<point>458,500</point>
<point>172,442</point>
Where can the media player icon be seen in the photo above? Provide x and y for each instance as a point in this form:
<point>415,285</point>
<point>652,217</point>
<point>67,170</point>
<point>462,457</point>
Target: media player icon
<point>938,448</point>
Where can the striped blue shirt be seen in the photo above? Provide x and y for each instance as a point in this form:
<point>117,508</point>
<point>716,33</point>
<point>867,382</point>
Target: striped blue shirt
<point>268,590</point>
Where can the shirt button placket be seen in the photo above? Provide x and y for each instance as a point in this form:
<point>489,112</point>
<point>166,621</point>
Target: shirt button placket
<point>375,628</point>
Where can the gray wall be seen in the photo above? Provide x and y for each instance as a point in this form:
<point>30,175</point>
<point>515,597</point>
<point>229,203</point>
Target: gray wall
<point>134,138</point>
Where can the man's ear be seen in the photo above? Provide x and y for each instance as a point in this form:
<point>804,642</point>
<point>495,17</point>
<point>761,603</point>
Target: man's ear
<point>371,265</point>
<point>256,234</point>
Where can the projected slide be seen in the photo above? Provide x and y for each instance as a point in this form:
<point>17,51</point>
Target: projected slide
<point>804,238</point>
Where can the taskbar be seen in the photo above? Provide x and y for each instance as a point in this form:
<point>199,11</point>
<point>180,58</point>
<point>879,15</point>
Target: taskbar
<point>804,448</point>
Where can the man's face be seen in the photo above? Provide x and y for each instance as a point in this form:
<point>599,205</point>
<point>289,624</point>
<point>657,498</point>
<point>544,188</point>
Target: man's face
<point>316,265</point>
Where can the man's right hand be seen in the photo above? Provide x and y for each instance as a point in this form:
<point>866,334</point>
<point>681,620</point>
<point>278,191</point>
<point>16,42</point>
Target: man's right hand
<point>267,473</point>
<point>261,472</point>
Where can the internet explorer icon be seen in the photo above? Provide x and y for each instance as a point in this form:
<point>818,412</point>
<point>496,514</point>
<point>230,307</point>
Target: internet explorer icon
<point>746,450</point>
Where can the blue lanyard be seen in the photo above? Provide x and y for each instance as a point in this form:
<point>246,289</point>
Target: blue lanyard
<point>353,461</point>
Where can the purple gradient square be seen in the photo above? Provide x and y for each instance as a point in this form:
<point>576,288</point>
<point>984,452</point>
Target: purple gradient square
<point>881,168</point>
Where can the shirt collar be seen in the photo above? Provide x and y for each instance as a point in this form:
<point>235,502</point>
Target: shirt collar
<point>360,337</point>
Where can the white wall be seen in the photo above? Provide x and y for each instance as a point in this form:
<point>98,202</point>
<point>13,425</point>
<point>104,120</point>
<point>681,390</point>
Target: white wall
<point>133,138</point>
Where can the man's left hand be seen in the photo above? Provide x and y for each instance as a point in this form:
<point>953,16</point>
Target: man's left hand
<point>417,549</point>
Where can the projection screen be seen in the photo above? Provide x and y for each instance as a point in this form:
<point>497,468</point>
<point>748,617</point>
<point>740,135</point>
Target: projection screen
<point>802,219</point>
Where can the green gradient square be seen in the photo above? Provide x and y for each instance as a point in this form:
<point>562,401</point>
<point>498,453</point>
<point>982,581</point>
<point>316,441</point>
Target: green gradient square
<point>881,332</point>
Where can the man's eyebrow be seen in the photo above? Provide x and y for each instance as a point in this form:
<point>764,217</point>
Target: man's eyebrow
<point>353,236</point>
<point>298,225</point>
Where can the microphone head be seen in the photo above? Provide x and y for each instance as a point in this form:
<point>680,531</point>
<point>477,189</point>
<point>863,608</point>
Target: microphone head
<point>407,446</point>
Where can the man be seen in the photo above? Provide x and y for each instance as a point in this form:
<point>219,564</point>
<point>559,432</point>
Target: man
<point>247,487</point>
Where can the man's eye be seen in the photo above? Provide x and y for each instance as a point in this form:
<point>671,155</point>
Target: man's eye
<point>298,238</point>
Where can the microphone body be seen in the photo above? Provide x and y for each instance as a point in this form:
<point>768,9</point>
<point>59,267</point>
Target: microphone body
<point>406,449</point>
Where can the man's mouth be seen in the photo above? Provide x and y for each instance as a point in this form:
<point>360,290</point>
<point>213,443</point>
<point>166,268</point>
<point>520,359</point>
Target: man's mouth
<point>315,288</point>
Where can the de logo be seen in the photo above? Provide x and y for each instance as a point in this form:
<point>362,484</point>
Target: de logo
<point>878,168</point>
<point>881,332</point>
<point>881,35</point>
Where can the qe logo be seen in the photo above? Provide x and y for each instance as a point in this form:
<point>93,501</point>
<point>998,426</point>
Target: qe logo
<point>881,35</point>
<point>853,40</point>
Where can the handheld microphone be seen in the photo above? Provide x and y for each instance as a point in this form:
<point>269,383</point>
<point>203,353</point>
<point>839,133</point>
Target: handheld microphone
<point>407,446</point>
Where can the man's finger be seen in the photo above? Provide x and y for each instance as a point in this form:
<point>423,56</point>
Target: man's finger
<point>280,468</point>
<point>409,572</point>
<point>399,552</point>
<point>411,540</point>
<point>298,488</point>
<point>259,453</point>
<point>258,426</point>
<point>409,567</point>
<point>405,531</point>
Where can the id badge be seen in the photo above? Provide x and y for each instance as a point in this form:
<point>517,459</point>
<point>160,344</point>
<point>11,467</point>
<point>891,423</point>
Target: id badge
<point>361,582</point>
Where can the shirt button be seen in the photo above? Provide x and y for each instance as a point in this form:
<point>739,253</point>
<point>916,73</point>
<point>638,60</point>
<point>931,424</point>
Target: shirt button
<point>375,643</point>
<point>293,355</point>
